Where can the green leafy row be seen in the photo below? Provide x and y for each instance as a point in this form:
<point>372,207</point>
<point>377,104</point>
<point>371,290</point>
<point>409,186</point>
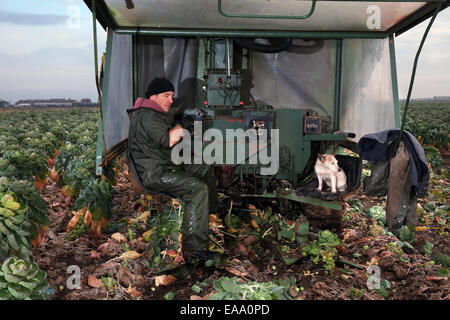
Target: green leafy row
<point>66,139</point>
<point>430,122</point>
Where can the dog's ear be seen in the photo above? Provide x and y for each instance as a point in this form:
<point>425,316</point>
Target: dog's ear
<point>320,157</point>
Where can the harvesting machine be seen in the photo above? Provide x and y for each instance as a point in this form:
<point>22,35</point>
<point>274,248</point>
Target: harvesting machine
<point>321,72</point>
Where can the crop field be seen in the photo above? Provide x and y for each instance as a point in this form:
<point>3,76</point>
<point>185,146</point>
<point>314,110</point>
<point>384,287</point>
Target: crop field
<point>430,123</point>
<point>67,234</point>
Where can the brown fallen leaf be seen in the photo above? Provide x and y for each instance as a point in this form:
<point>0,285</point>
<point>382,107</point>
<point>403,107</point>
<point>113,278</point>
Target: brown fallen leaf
<point>73,222</point>
<point>194,297</point>
<point>242,249</point>
<point>364,240</point>
<point>342,249</point>
<point>141,218</point>
<point>125,201</point>
<point>40,184</point>
<point>350,234</point>
<point>67,201</point>
<point>293,292</point>
<point>164,280</point>
<point>171,253</point>
<point>250,240</point>
<point>103,246</point>
<point>374,260</point>
<point>87,218</point>
<point>130,255</point>
<point>254,224</point>
<point>118,237</point>
<point>178,260</point>
<point>254,213</point>
<point>434,278</point>
<point>95,254</point>
<point>423,288</point>
<point>94,282</point>
<point>236,272</point>
<point>133,292</point>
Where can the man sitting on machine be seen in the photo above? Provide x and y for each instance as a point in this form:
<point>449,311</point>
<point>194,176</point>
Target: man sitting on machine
<point>150,141</point>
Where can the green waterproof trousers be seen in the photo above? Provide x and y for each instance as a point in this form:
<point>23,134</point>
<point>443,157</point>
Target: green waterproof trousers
<point>195,185</point>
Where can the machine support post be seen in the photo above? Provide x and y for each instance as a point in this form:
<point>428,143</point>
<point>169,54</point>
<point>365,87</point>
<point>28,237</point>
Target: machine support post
<point>394,82</point>
<point>103,100</point>
<point>135,66</point>
<point>337,92</point>
<point>101,132</point>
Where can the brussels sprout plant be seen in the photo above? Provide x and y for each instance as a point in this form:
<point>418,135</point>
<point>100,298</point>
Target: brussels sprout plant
<point>21,279</point>
<point>13,227</point>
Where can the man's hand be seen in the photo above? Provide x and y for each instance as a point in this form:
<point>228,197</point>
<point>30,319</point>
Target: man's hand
<point>175,135</point>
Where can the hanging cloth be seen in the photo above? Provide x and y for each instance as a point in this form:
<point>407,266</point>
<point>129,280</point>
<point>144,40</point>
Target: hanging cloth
<point>399,171</point>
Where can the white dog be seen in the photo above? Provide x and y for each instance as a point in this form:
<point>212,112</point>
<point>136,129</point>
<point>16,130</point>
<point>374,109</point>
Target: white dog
<point>327,169</point>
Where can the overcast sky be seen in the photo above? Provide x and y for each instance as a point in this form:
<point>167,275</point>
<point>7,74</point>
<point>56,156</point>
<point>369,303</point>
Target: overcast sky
<point>47,52</point>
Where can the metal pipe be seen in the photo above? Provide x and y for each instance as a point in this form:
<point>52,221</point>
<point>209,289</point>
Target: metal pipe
<point>94,22</point>
<point>411,83</point>
<point>253,34</point>
<point>228,60</point>
<point>337,93</point>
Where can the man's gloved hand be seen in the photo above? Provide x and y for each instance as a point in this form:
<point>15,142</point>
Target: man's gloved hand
<point>188,123</point>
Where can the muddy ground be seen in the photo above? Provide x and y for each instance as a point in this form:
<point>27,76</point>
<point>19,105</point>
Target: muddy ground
<point>412,275</point>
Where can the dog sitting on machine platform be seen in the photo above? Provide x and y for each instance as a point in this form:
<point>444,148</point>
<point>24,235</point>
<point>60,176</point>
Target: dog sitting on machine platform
<point>327,169</point>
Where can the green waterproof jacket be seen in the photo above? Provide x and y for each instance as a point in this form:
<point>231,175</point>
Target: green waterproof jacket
<point>148,142</point>
<point>195,185</point>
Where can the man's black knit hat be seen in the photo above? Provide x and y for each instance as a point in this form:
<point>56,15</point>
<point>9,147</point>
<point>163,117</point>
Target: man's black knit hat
<point>158,85</point>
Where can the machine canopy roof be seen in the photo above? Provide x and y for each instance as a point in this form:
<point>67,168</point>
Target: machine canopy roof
<point>340,17</point>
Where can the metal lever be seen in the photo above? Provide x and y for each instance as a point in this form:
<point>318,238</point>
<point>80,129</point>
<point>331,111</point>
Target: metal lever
<point>263,16</point>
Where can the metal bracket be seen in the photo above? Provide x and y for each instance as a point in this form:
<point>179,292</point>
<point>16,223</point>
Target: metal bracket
<point>237,15</point>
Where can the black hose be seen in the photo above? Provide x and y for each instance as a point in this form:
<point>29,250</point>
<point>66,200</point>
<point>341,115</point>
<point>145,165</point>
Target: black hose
<point>276,44</point>
<point>317,45</point>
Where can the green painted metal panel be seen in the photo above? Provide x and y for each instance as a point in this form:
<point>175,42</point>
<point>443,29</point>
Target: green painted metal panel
<point>292,162</point>
<point>324,137</point>
<point>294,197</point>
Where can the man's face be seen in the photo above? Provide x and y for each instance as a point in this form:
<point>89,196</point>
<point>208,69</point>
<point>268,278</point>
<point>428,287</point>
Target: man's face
<point>164,100</point>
